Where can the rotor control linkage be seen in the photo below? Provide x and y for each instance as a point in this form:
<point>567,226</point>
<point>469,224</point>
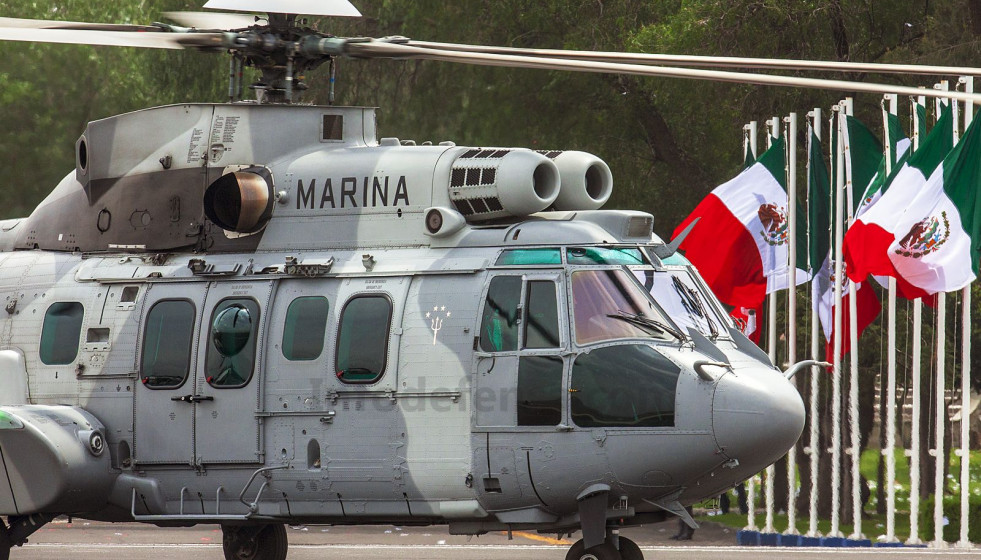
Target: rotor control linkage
<point>193,399</point>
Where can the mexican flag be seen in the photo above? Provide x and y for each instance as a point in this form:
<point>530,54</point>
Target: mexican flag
<point>937,240</point>
<point>899,146</point>
<point>868,240</point>
<point>863,157</point>
<point>819,248</point>
<point>749,321</point>
<point>740,245</point>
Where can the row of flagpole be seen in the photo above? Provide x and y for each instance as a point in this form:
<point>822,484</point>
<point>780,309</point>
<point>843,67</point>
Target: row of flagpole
<point>843,193</point>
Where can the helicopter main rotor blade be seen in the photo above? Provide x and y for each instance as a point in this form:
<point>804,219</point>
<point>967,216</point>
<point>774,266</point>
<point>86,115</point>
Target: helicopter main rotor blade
<point>210,20</point>
<point>708,61</point>
<point>149,40</point>
<point>341,8</point>
<point>385,49</point>
<point>78,25</point>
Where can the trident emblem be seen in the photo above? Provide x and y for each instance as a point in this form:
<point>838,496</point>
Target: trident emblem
<point>436,320</point>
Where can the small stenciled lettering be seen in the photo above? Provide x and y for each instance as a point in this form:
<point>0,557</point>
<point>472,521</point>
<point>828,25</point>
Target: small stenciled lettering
<point>352,192</point>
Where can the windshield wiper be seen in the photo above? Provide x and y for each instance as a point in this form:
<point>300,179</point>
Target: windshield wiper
<point>646,323</point>
<point>692,301</point>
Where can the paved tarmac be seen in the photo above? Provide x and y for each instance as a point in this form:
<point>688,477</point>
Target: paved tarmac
<point>83,540</point>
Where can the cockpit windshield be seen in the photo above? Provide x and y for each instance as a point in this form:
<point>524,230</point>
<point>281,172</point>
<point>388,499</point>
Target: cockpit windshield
<point>680,297</point>
<point>610,304</point>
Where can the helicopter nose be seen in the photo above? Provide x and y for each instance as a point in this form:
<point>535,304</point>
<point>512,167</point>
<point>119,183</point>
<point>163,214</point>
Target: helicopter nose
<point>757,417</point>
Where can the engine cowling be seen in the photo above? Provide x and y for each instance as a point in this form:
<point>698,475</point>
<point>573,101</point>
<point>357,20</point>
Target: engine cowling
<point>587,182</point>
<point>491,183</point>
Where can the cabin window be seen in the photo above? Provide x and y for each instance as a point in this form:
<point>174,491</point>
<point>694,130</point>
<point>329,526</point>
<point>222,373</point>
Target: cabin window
<point>611,304</point>
<point>542,319</point>
<point>306,325</point>
<point>628,385</point>
<point>60,333</point>
<point>499,323</point>
<point>362,340</point>
<point>167,344</point>
<point>231,349</point>
<point>542,255</point>
<point>605,255</point>
<point>539,391</point>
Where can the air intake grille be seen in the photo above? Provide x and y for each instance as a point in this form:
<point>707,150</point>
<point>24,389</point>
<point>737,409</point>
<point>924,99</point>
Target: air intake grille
<point>550,154</point>
<point>473,183</point>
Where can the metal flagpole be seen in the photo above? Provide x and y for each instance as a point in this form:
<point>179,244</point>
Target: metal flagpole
<point>854,436</point>
<point>813,450</point>
<point>965,450</point>
<point>749,140</point>
<point>836,371</point>
<point>914,450</point>
<point>940,458</point>
<point>792,226</point>
<point>773,127</point>
<point>890,426</point>
<point>751,483</point>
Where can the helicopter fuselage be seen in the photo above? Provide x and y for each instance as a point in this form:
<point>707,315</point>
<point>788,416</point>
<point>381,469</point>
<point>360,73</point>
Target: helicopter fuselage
<point>356,345</point>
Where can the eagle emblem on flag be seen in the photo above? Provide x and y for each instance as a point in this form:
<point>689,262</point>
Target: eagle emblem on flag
<point>775,226</point>
<point>925,236</point>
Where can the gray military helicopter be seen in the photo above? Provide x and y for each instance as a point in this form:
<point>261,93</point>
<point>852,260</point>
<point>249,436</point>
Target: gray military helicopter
<point>256,314</point>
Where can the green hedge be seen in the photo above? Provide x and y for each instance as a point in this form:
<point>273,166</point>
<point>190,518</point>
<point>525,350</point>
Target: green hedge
<point>952,510</point>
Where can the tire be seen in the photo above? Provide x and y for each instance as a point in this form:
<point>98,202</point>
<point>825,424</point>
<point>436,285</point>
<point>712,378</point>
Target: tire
<point>267,542</point>
<point>629,550</point>
<point>4,542</point>
<point>605,551</point>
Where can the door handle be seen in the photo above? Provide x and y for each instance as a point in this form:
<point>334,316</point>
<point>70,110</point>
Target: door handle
<point>193,399</point>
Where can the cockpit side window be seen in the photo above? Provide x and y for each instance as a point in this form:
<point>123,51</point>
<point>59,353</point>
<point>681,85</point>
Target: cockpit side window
<point>499,323</point>
<point>627,385</point>
<point>542,320</point>
<point>610,304</point>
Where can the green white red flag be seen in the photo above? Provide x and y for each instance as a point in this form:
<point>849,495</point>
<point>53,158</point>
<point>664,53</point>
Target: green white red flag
<point>867,245</point>
<point>937,240</point>
<point>740,245</point>
<point>821,256</point>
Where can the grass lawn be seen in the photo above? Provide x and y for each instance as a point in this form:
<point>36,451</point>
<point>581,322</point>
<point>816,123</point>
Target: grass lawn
<point>873,525</point>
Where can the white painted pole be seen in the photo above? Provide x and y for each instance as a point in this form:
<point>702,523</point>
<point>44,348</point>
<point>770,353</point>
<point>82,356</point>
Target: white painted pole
<point>938,451</point>
<point>839,187</point>
<point>890,426</point>
<point>815,445</point>
<point>792,226</point>
<point>773,126</point>
<point>855,447</point>
<point>965,450</point>
<point>751,483</point>
<point>914,450</point>
<point>940,458</point>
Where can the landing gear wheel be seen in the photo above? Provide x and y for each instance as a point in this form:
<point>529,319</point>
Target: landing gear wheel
<point>629,550</point>
<point>267,542</point>
<point>605,551</point>
<point>4,542</point>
